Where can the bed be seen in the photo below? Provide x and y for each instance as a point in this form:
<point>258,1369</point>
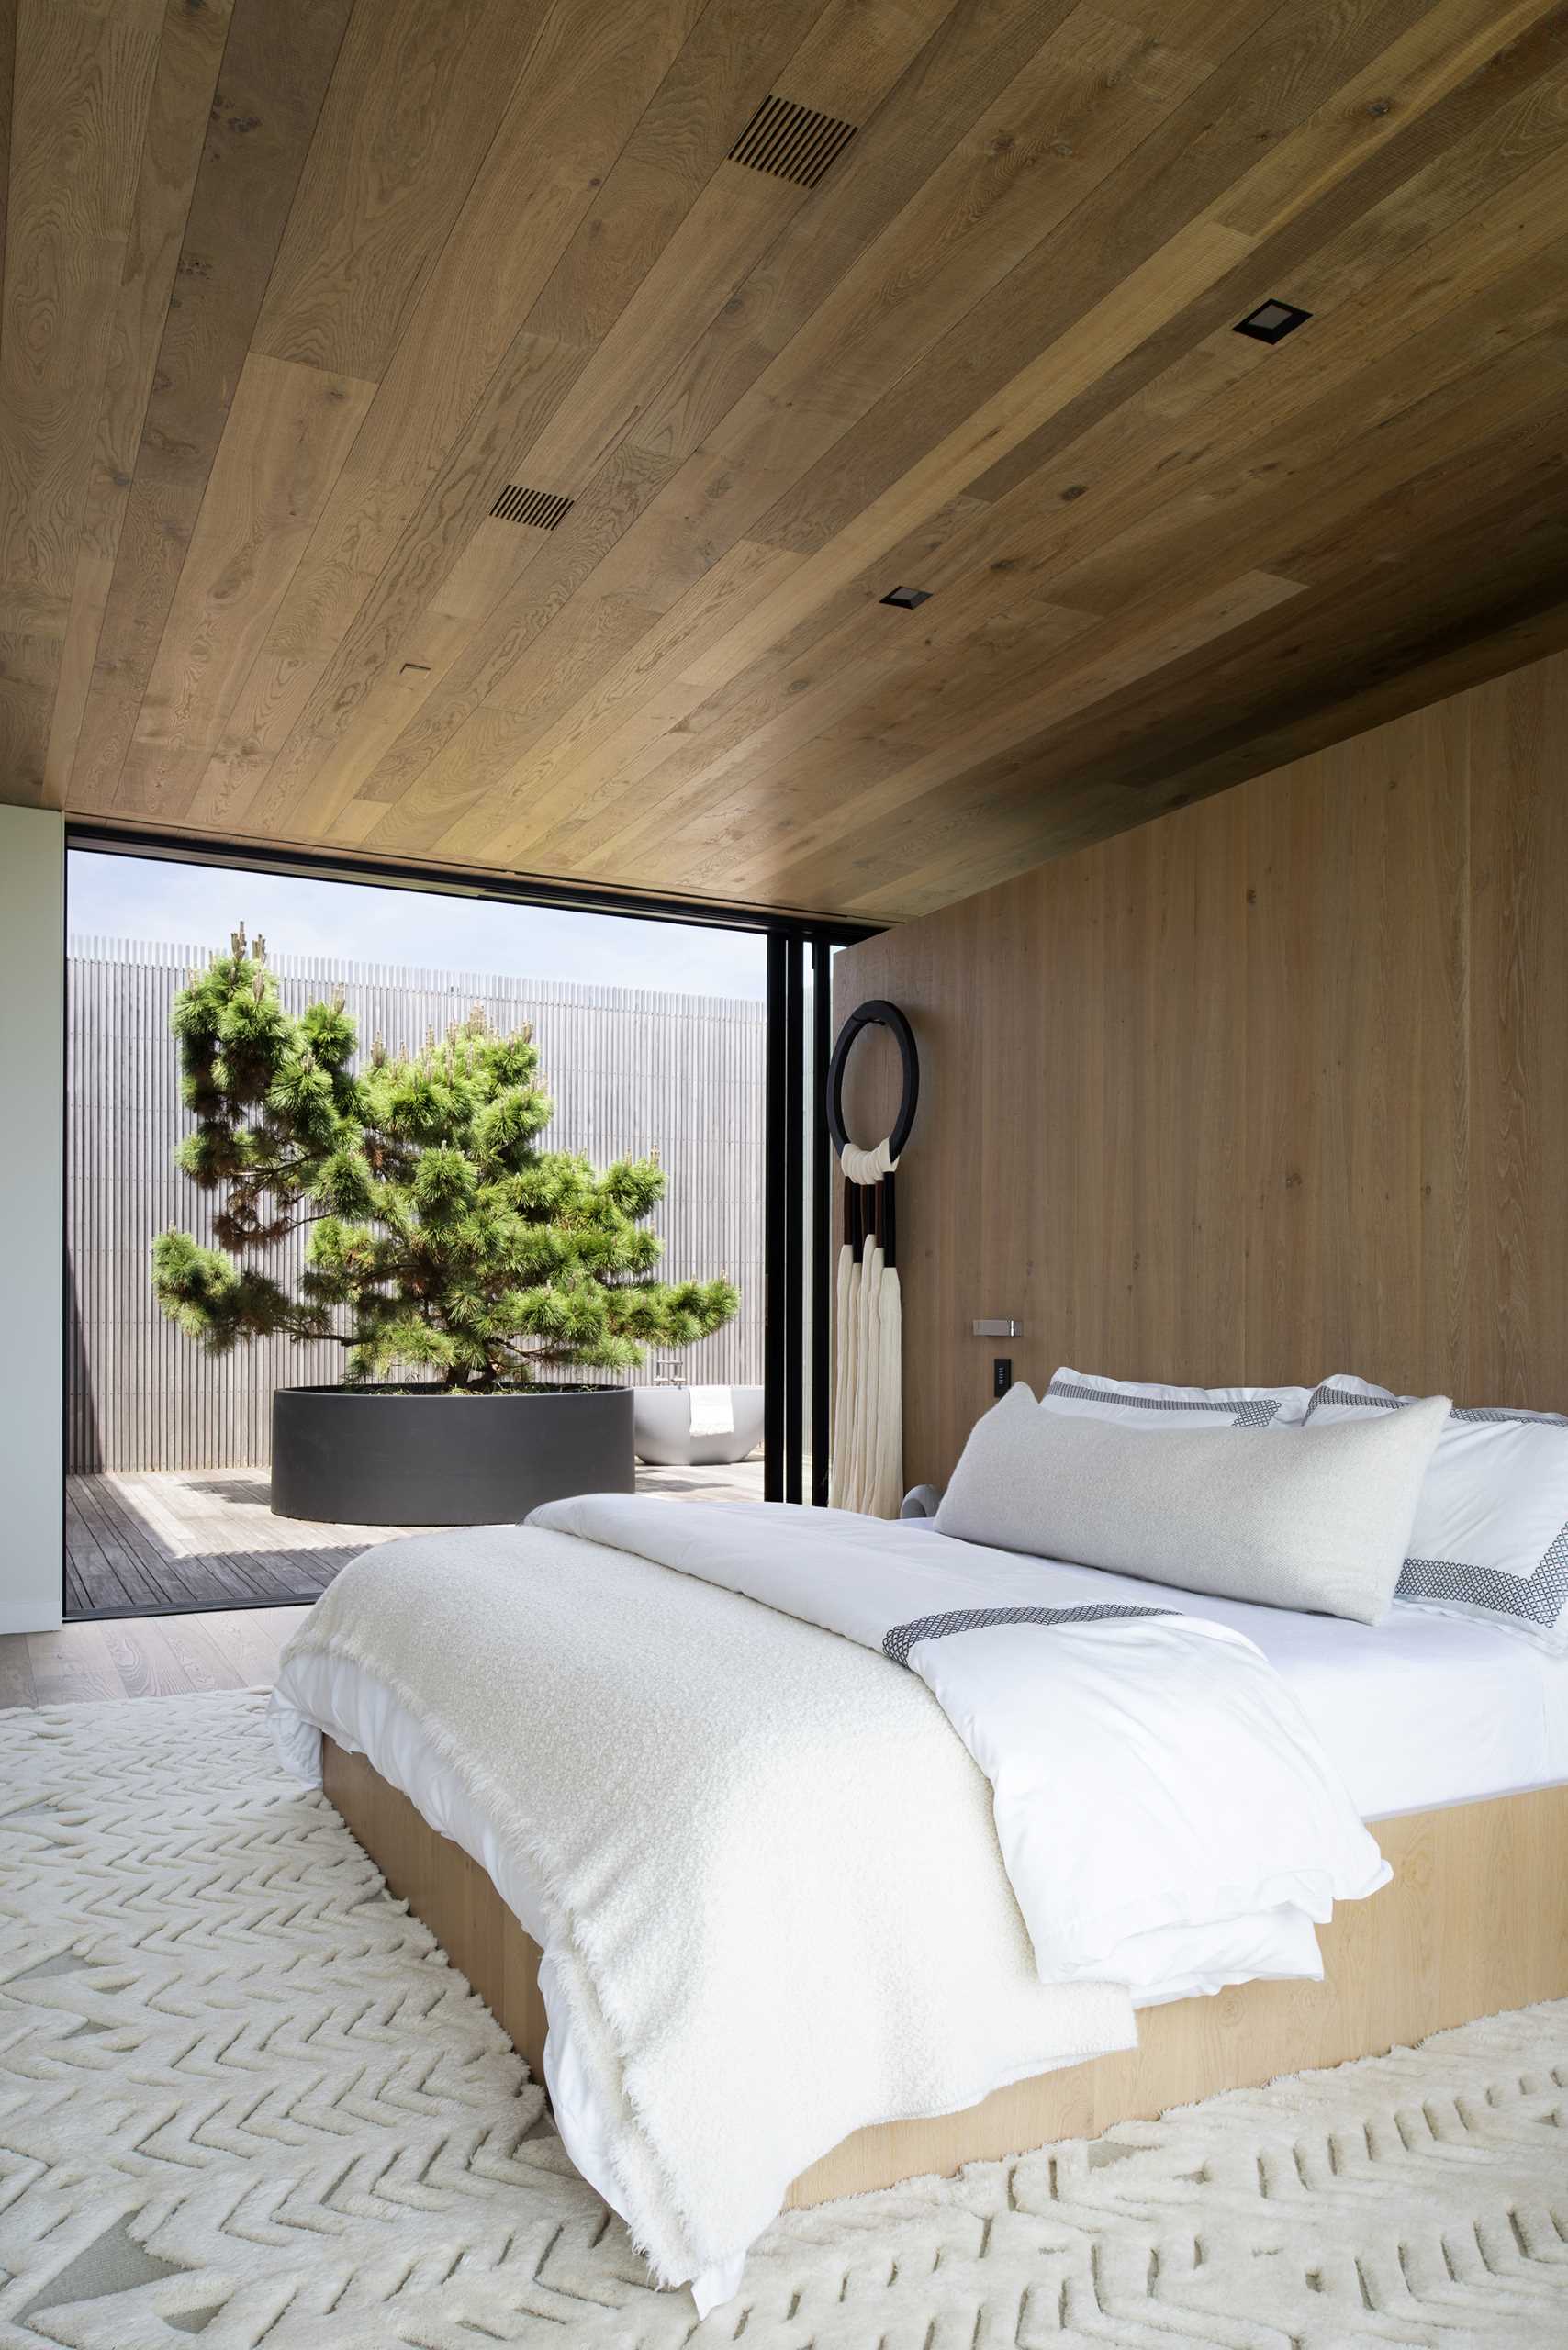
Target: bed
<point>1450,1736</point>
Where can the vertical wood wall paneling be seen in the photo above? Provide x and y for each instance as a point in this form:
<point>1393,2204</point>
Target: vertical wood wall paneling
<point>629,1070</point>
<point>1272,1088</point>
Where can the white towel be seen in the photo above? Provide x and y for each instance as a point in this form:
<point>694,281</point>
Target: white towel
<point>712,1411</point>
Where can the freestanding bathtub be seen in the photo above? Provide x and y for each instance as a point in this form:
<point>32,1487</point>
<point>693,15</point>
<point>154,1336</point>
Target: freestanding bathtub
<point>661,1428</point>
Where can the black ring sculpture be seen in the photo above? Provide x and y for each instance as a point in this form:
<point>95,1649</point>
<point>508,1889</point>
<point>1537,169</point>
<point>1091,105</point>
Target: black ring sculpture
<point>876,1013</point>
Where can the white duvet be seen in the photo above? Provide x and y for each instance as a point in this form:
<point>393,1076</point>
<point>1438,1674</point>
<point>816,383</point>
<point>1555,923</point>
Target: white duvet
<point>1150,1772</point>
<point>771,1894</point>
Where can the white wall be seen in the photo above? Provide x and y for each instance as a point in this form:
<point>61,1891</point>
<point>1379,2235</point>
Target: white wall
<point>32,1174</point>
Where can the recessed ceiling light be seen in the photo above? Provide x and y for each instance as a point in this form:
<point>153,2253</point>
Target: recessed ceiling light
<point>1271,321</point>
<point>906,598</point>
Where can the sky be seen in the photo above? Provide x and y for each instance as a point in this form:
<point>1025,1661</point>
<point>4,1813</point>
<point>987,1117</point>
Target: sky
<point>179,904</point>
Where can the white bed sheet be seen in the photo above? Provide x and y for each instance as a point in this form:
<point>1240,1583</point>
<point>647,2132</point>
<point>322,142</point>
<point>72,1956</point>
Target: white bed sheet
<point>1417,1712</point>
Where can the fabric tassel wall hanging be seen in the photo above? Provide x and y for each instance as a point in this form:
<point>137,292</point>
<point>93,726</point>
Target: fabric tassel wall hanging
<point>866,1467</point>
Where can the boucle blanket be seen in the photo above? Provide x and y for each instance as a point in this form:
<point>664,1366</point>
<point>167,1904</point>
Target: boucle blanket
<point>777,1909</point>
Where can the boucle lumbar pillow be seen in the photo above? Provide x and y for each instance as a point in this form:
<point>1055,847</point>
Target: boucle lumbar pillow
<point>1316,1518</point>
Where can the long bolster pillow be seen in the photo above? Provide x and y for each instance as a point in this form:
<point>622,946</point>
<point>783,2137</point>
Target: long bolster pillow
<point>1313,1518</point>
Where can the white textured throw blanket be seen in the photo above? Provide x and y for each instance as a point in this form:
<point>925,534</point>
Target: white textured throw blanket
<point>777,1908</point>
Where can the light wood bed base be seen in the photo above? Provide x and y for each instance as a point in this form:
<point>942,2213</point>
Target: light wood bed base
<point>1475,1921</point>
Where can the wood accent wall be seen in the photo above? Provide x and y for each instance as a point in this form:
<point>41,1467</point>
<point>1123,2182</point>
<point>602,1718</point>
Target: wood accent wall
<point>1274,1087</point>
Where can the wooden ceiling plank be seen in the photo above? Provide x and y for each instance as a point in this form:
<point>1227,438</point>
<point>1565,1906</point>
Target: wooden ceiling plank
<point>1343,480</point>
<point>1095,664</point>
<point>492,738</point>
<point>1417,71</point>
<point>863,49</point>
<point>1005,370</point>
<point>838,677</point>
<point>1513,485</point>
<point>712,251</point>
<point>1151,474</point>
<point>1300,89</point>
<point>1188,261</point>
<point>7,91</point>
<point>675,153</point>
<point>289,429</point>
<point>418,96</point>
<point>587,83</point>
<point>189,56</point>
<point>1484,644</point>
<point>592,728</point>
<point>651,782</point>
<point>666,783</point>
<point>1091,93</point>
<point>1201,731</point>
<point>771,796</point>
<point>767,440</point>
<point>1435,381</point>
<point>676,290</point>
<point>1446,159</point>
<point>82,82</point>
<point>589,79</point>
<point>685,842</point>
<point>276,63</point>
<point>1413,364</point>
<point>948,65</point>
<point>964,64</point>
<point>594,528</point>
<point>1191,258</point>
<point>244,780</point>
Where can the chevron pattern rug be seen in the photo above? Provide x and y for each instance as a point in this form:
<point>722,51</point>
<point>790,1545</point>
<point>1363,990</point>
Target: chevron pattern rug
<point>245,2098</point>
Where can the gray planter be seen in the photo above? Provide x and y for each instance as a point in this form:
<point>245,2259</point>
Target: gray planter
<point>663,1429</point>
<point>368,1455</point>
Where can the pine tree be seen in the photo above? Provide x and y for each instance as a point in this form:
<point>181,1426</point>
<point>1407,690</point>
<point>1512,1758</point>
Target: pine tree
<point>443,1240</point>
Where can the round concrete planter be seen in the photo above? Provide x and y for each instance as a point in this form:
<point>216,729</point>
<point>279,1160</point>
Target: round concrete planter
<point>372,1456</point>
<point>663,1429</point>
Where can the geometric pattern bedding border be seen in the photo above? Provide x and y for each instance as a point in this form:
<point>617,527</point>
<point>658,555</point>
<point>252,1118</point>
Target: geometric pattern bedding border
<point>1256,1411</point>
<point>1540,1598</point>
<point>898,1642</point>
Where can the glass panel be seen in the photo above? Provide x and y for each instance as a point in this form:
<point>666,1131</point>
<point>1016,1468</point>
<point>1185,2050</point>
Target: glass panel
<point>652,1038</point>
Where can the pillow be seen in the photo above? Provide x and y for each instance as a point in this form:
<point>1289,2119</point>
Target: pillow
<point>1138,1404</point>
<point>1490,1540</point>
<point>1321,1522</point>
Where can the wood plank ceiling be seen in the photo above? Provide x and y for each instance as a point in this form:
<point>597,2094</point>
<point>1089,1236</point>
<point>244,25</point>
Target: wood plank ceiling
<point>422,437</point>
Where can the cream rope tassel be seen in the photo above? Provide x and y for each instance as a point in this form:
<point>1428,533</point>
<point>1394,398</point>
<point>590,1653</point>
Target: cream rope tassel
<point>844,1391</point>
<point>866,1472</point>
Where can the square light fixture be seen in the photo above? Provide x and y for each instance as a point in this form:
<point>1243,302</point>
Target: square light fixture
<point>906,598</point>
<point>1271,321</point>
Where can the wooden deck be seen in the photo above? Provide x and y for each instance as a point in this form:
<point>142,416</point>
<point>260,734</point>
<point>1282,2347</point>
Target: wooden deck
<point>207,1539</point>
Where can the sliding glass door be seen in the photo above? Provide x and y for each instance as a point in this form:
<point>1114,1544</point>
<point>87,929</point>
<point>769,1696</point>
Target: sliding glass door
<point>691,1049</point>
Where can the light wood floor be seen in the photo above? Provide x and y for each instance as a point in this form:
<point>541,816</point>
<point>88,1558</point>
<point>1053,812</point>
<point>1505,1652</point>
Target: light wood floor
<point>206,1537</point>
<point>147,1656</point>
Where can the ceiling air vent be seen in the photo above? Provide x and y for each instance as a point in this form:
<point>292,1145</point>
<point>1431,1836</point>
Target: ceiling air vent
<point>540,509</point>
<point>792,142</point>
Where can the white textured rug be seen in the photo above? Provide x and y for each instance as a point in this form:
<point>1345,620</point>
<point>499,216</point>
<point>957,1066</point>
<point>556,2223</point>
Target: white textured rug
<point>243,2097</point>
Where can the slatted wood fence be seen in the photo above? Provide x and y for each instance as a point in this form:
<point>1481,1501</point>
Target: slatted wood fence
<point>630,1070</point>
